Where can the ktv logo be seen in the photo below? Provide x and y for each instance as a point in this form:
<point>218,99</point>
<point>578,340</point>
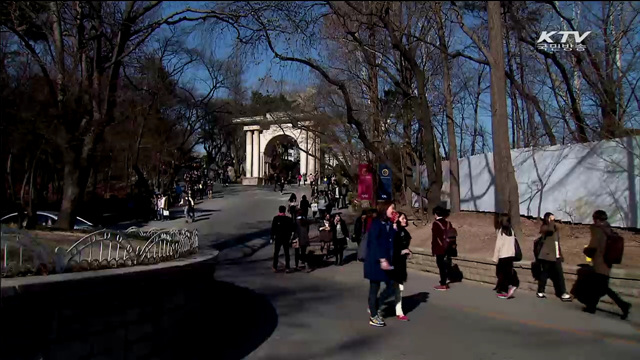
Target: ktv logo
<point>570,40</point>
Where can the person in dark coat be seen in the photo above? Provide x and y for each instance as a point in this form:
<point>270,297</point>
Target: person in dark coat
<point>401,252</point>
<point>293,205</point>
<point>302,236</point>
<point>358,227</point>
<point>379,258</point>
<point>304,206</point>
<point>340,235</point>
<point>600,230</point>
<point>550,259</point>
<point>282,229</point>
<point>439,243</point>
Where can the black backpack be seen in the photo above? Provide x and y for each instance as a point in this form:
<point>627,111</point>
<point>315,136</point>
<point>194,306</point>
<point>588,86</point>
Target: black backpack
<point>614,249</point>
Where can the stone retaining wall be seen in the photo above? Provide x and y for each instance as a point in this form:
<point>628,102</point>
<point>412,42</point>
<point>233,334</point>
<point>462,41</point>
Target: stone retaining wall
<point>134,313</point>
<point>624,282</point>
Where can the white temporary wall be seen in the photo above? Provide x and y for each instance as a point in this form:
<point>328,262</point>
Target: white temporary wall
<point>571,181</point>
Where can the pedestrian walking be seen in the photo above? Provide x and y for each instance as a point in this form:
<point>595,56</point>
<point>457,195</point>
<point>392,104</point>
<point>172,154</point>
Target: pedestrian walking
<point>377,264</point>
<point>276,182</point>
<point>301,242</point>
<point>299,179</point>
<point>358,227</point>
<point>550,259</point>
<point>440,245</point>
<point>160,206</point>
<point>605,249</point>
<point>322,204</point>
<point>304,206</point>
<point>304,179</point>
<point>282,181</point>
<point>401,252</point>
<point>282,229</point>
<point>189,208</point>
<point>165,207</point>
<point>504,255</point>
<point>293,205</point>
<point>340,236</point>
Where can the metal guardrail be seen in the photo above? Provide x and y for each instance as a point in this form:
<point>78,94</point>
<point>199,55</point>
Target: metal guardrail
<point>24,254</point>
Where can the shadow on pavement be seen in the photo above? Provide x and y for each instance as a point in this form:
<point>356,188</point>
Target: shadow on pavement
<point>411,302</point>
<point>190,317</point>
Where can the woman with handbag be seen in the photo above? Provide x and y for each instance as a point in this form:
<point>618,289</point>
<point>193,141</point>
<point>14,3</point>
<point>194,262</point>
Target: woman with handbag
<point>550,259</point>
<point>340,235</point>
<point>401,252</point>
<point>505,253</point>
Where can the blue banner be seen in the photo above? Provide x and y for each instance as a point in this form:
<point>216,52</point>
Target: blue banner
<point>385,186</point>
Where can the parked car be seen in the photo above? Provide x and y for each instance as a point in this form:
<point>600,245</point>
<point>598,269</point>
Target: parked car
<point>48,219</point>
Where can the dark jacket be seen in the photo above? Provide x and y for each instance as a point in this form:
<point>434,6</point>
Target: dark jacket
<point>282,228</point>
<point>599,242</point>
<point>358,229</point>
<point>379,246</point>
<point>345,233</point>
<point>304,206</point>
<point>550,234</point>
<point>302,232</point>
<point>401,241</point>
<point>439,239</point>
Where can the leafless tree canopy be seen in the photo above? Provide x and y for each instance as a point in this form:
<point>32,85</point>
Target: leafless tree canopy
<point>104,91</point>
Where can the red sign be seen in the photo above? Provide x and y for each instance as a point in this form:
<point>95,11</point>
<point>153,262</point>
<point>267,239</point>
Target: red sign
<point>365,182</point>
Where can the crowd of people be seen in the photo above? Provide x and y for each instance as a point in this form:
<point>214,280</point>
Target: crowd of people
<point>384,247</point>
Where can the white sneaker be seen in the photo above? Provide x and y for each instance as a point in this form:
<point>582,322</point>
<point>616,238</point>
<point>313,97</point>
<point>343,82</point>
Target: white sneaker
<point>566,297</point>
<point>541,295</point>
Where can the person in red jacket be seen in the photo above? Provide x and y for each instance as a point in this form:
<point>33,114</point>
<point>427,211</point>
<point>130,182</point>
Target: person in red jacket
<point>439,243</point>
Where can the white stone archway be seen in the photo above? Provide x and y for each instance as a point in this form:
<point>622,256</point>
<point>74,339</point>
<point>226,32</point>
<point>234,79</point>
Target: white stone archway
<point>259,130</point>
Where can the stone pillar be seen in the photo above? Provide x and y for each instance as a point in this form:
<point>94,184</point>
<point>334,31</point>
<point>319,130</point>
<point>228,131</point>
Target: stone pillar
<point>303,156</point>
<point>256,154</point>
<point>248,165</point>
<point>318,159</point>
<point>311,148</point>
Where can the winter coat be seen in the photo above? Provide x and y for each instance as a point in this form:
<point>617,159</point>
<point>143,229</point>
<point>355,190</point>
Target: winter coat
<point>505,246</point>
<point>302,232</point>
<point>401,241</point>
<point>304,206</point>
<point>357,230</point>
<point>282,228</point>
<point>379,246</point>
<point>345,233</point>
<point>550,236</point>
<point>439,239</point>
<point>599,242</point>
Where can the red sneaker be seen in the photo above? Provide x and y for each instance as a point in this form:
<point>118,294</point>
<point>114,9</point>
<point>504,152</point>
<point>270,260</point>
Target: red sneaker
<point>402,317</point>
<point>503,296</point>
<point>441,287</point>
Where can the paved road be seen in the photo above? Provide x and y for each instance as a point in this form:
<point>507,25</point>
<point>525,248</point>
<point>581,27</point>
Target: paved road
<point>322,315</point>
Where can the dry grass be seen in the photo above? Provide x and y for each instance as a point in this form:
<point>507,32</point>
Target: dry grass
<point>476,238</point>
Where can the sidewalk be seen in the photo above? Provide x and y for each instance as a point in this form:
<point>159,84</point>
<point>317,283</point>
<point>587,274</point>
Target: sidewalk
<point>323,315</point>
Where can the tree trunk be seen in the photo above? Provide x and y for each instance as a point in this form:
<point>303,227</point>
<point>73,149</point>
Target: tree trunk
<point>476,112</point>
<point>76,176</point>
<point>454,172</point>
<point>507,197</point>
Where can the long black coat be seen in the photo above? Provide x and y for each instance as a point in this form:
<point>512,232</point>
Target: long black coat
<point>345,233</point>
<point>401,241</point>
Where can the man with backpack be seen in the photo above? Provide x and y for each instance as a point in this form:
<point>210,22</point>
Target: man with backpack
<point>605,249</point>
<point>443,245</point>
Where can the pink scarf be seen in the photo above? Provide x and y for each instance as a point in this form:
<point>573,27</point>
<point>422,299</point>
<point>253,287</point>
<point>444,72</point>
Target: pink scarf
<point>282,214</point>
